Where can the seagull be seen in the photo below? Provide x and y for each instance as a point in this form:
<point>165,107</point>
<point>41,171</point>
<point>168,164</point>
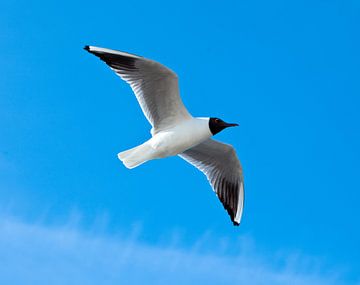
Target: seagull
<point>174,131</point>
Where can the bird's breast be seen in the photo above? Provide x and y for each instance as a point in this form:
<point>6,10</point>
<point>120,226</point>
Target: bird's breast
<point>180,138</point>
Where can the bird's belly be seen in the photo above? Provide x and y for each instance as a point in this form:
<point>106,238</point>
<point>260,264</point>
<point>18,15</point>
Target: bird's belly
<point>170,143</point>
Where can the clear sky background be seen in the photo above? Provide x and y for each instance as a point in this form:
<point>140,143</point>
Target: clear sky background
<point>286,71</point>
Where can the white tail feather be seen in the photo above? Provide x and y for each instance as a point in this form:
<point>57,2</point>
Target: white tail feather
<point>135,156</point>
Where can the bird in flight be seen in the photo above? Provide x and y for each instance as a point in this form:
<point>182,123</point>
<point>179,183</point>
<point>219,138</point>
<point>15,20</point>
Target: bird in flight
<point>174,131</point>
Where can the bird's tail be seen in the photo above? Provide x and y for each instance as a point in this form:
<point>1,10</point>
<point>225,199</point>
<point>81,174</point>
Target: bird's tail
<point>135,156</point>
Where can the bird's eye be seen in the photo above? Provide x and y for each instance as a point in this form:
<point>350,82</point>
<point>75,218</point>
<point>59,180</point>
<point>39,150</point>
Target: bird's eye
<point>217,120</point>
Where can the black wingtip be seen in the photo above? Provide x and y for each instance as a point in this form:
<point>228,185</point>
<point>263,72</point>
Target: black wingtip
<point>236,223</point>
<point>87,48</point>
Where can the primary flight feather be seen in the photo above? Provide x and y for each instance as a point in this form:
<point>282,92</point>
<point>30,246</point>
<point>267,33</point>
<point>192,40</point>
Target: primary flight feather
<point>174,131</point>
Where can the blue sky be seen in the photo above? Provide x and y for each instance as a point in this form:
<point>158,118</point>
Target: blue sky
<point>286,71</point>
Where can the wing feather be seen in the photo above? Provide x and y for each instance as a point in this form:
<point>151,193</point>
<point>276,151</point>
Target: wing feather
<point>219,162</point>
<point>155,86</point>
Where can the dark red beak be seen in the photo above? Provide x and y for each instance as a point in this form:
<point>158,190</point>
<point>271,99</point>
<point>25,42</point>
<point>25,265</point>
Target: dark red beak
<point>226,125</point>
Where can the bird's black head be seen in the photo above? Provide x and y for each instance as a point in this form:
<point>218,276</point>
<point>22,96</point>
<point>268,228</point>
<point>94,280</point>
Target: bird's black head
<point>216,125</point>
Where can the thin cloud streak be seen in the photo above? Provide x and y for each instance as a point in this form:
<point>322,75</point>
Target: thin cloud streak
<point>39,254</point>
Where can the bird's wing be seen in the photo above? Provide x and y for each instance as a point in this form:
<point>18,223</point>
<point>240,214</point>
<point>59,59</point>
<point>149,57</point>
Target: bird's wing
<point>218,161</point>
<point>155,86</point>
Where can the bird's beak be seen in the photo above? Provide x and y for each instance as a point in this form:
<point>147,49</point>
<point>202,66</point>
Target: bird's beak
<point>226,125</point>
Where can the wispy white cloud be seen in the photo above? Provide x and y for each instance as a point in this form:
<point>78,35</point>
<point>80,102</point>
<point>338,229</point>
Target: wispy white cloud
<point>39,254</point>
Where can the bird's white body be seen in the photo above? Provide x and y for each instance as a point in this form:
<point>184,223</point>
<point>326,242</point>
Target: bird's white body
<point>181,137</point>
<point>168,142</point>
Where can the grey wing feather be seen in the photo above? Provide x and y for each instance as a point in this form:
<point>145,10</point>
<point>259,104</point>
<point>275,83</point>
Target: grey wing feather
<point>219,162</point>
<point>155,86</point>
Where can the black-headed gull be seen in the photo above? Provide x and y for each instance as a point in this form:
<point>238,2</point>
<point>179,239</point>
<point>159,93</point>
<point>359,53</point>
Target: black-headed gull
<point>174,131</point>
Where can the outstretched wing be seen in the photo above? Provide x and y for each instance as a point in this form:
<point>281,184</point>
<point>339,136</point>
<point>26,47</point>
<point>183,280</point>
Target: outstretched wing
<point>155,86</point>
<point>218,161</point>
